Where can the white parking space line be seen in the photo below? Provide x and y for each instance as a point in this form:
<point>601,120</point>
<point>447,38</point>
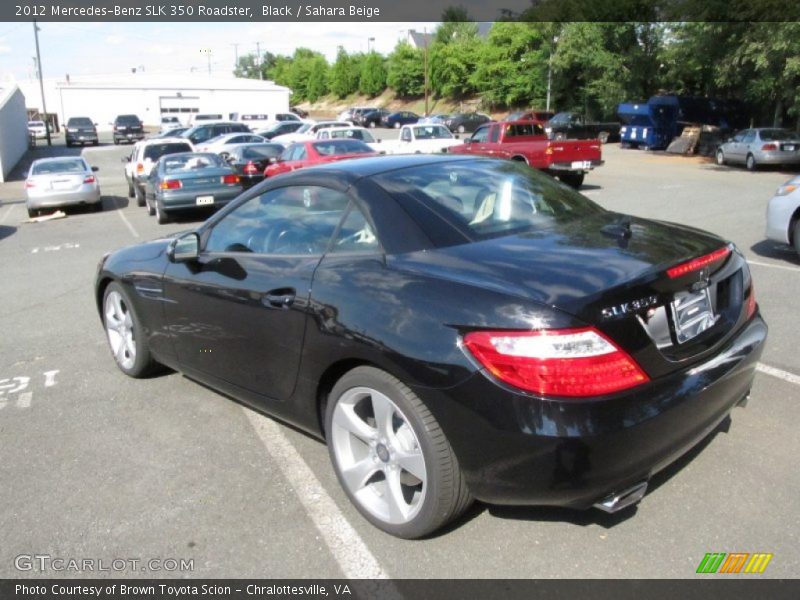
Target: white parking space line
<point>761,264</point>
<point>24,400</point>
<point>125,219</point>
<point>5,215</point>
<point>347,547</point>
<point>779,373</point>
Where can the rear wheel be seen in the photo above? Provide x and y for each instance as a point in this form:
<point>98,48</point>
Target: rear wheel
<point>391,456</point>
<point>750,163</point>
<point>139,193</point>
<point>161,215</point>
<point>574,180</point>
<point>150,205</point>
<point>33,213</point>
<point>796,237</point>
<point>131,192</point>
<point>125,334</point>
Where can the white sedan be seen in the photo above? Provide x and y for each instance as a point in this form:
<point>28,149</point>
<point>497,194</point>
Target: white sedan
<point>783,214</point>
<point>61,181</point>
<point>222,143</point>
<point>308,132</point>
<point>350,133</point>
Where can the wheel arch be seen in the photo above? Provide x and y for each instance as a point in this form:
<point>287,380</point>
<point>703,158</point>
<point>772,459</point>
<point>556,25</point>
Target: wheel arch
<point>519,158</point>
<point>792,222</point>
<point>328,379</point>
<point>100,292</point>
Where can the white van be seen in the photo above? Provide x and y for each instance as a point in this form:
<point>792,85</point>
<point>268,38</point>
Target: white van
<point>263,120</point>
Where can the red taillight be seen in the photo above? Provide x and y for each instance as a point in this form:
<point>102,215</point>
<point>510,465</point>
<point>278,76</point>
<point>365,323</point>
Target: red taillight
<point>230,179</point>
<point>698,263</point>
<point>751,300</point>
<point>250,168</point>
<point>566,362</point>
<point>29,184</point>
<point>140,168</point>
<point>171,184</point>
<point>89,179</point>
<point>769,147</point>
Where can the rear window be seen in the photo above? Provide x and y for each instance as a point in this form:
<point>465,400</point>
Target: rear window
<point>190,162</point>
<point>59,166</point>
<point>257,152</point>
<point>483,199</point>
<point>156,151</point>
<point>777,135</point>
<point>208,117</point>
<point>432,132</point>
<point>524,129</point>
<point>80,122</point>
<point>338,147</point>
<point>255,117</point>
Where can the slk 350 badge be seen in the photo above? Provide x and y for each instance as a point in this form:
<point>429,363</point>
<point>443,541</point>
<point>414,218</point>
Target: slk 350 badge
<point>627,308</point>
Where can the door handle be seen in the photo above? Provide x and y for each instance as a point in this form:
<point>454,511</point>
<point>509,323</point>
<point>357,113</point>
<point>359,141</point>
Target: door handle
<point>280,298</point>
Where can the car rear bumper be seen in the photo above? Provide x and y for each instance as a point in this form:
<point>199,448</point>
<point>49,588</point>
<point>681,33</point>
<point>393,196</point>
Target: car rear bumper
<point>517,449</point>
<point>81,137</point>
<point>136,135</point>
<point>82,196</point>
<point>778,158</point>
<point>188,198</point>
<point>578,165</point>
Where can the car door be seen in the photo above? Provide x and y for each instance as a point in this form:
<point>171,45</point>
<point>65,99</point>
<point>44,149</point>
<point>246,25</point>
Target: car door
<point>477,141</point>
<point>238,312</point>
<point>736,153</point>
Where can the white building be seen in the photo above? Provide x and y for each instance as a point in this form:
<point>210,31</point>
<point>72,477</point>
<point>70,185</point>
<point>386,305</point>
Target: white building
<point>13,128</point>
<point>153,95</point>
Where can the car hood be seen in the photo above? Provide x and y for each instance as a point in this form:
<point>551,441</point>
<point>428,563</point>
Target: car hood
<point>570,265</point>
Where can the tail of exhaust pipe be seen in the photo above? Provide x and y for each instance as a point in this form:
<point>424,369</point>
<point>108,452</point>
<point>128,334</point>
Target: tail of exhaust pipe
<point>618,500</point>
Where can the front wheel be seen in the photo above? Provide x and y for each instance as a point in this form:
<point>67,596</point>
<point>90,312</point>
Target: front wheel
<point>391,456</point>
<point>720,157</point>
<point>161,215</point>
<point>125,334</point>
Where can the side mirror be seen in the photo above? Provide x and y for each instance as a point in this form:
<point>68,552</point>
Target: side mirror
<point>95,169</point>
<point>185,248</point>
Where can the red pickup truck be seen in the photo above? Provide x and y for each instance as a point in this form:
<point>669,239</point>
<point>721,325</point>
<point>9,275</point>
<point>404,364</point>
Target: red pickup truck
<point>526,141</point>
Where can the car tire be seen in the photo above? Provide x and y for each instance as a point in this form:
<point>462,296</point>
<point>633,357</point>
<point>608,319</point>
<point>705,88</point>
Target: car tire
<point>796,237</point>
<point>68,144</point>
<point>116,142</point>
<point>750,163</point>
<point>461,129</point>
<point>139,193</point>
<point>125,334</point>
<point>720,158</point>
<point>574,180</point>
<point>131,192</point>
<point>397,125</point>
<point>33,213</point>
<point>372,124</point>
<point>603,137</point>
<point>366,457</point>
<point>151,209</point>
<point>161,215</point>
<point>96,143</point>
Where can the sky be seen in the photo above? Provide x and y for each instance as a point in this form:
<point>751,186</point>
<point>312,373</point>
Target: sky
<point>114,48</point>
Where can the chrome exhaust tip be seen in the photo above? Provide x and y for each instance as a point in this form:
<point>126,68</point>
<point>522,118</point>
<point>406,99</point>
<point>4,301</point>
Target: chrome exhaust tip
<point>618,500</point>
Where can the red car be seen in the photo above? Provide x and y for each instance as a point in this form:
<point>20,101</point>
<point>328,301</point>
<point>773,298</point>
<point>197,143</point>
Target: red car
<point>316,152</point>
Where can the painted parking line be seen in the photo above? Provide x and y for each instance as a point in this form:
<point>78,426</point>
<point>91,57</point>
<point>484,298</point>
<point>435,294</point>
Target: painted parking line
<point>5,215</point>
<point>779,373</point>
<point>348,549</point>
<point>125,219</point>
<point>784,267</point>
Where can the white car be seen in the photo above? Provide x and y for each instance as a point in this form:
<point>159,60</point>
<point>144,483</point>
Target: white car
<point>309,132</point>
<point>170,123</point>
<point>426,138</point>
<point>263,120</point>
<point>350,133</point>
<point>783,214</point>
<point>222,143</point>
<point>144,156</point>
<point>61,181</point>
<point>37,129</point>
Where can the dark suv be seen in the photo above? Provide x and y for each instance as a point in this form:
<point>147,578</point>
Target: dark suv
<point>203,133</point>
<point>128,128</point>
<point>80,130</point>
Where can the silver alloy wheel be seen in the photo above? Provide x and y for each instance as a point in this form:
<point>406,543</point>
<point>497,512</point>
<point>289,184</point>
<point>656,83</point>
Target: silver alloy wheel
<point>378,455</point>
<point>119,328</point>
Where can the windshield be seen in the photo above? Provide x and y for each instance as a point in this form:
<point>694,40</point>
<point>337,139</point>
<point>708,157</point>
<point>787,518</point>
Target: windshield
<point>485,199</point>
<point>80,122</point>
<point>432,132</point>
<point>69,165</point>
<point>128,119</point>
<point>305,128</point>
<point>182,163</point>
<point>262,151</point>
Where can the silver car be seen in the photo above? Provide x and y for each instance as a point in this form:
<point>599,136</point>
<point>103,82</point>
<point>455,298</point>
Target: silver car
<point>761,146</point>
<point>783,214</point>
<point>61,181</point>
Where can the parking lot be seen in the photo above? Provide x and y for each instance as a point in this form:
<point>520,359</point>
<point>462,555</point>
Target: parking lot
<point>97,465</point>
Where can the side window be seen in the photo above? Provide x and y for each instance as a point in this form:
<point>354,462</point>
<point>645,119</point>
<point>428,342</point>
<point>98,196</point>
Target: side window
<point>323,135</point>
<point>480,135</point>
<point>750,137</point>
<point>296,220</point>
<point>494,134</point>
<point>406,135</point>
<point>300,153</point>
<point>739,136</point>
<point>355,234</point>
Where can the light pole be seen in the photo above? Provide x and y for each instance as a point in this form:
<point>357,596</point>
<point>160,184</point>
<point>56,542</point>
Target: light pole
<point>370,41</point>
<point>550,71</point>
<point>207,52</point>
<point>41,83</point>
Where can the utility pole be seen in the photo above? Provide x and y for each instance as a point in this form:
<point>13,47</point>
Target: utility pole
<point>235,55</point>
<point>258,61</point>
<point>425,37</point>
<point>41,83</point>
<point>207,52</point>
<point>550,71</point>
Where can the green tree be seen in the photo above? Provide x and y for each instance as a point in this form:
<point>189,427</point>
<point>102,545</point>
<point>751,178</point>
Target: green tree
<point>372,80</point>
<point>405,72</point>
<point>317,79</point>
<point>344,75</point>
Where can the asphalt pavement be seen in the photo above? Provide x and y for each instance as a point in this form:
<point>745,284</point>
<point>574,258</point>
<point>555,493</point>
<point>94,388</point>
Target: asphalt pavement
<point>99,466</point>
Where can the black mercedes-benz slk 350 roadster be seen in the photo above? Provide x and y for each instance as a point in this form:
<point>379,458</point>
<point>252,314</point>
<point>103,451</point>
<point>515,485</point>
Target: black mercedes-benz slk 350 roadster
<point>454,328</point>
